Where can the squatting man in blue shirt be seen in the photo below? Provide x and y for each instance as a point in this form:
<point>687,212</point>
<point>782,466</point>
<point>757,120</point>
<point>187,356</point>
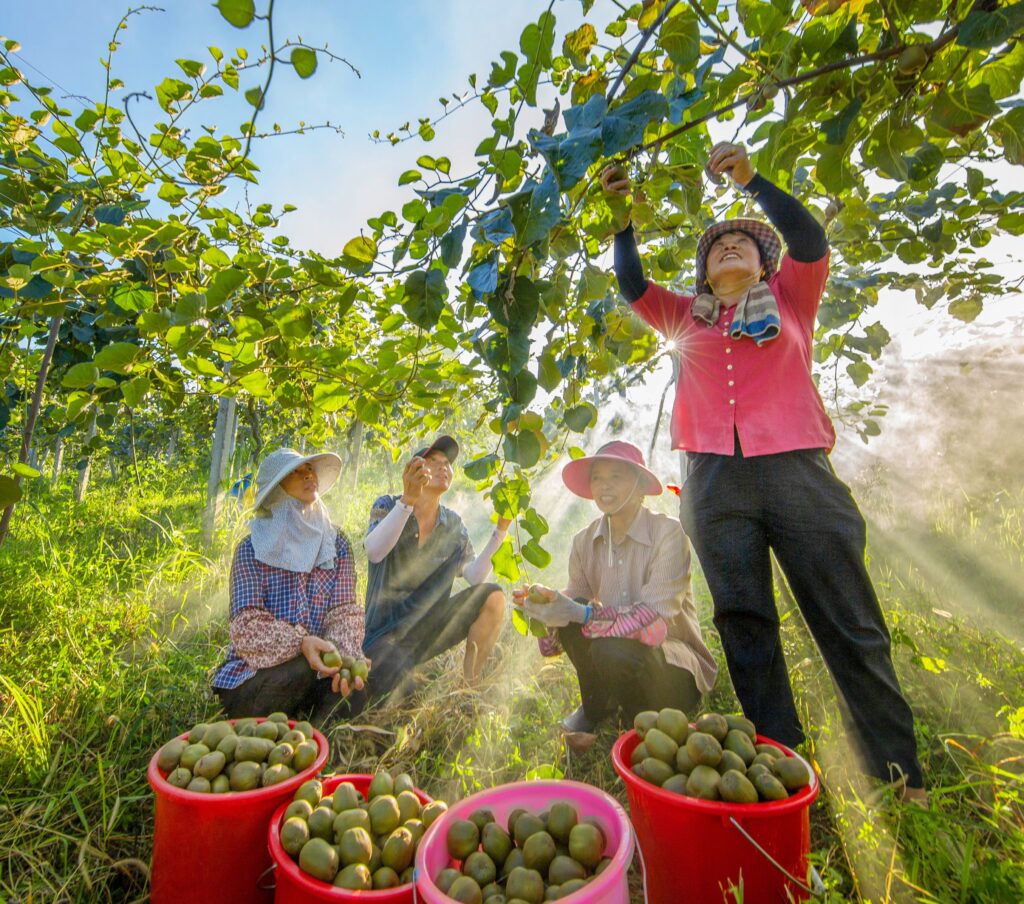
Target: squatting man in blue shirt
<point>416,548</point>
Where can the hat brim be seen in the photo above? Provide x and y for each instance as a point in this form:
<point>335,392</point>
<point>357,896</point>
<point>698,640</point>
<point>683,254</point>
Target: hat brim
<point>576,476</point>
<point>445,444</point>
<point>326,464</point>
<point>767,239</point>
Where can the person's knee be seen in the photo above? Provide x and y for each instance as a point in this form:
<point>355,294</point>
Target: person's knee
<point>493,606</point>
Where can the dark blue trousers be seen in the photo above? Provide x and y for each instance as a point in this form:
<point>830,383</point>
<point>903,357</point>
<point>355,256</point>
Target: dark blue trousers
<point>735,511</point>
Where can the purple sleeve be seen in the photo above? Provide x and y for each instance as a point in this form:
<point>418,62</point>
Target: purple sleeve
<point>638,622</point>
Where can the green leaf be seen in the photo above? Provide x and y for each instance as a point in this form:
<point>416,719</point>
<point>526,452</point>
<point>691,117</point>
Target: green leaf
<point>502,74</point>
<point>966,309</point>
<point>961,110</point>
<point>859,371</point>
<point>520,621</point>
<point>536,554</point>
<point>304,61</point>
<point>680,36</point>
<point>24,470</point>
<point>171,192</point>
<point>981,29</point>
<point>81,376</point>
<point>576,45</point>
<point>110,214</point>
<point>359,254</point>
<point>523,448</point>
<point>581,417</point>
<point>835,129</point>
<point>135,391</point>
<point>535,210</point>
<point>534,523</point>
<point>238,12</point>
<point>10,492</point>
<point>215,258</point>
<point>255,97</point>
<point>1008,131</point>
<point>294,320</point>
<point>481,468</point>
<point>510,497</point>
<point>425,292</point>
<point>222,284</point>
<point>505,565</point>
<point>624,126</point>
<point>118,357</point>
<point>569,156</point>
<point>410,175</point>
<point>535,42</point>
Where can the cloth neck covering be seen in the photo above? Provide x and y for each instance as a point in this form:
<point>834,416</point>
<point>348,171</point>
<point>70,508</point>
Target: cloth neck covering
<point>288,534</point>
<point>756,316</point>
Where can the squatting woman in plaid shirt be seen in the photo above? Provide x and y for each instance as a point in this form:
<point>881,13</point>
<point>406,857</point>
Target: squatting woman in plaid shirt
<point>292,599</point>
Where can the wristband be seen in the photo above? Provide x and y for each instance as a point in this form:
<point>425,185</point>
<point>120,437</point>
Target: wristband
<point>589,610</point>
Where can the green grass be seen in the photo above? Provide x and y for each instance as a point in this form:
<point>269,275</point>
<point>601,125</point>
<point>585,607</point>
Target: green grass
<point>112,615</point>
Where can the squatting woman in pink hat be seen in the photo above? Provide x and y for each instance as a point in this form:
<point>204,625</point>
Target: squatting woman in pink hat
<point>757,438</point>
<point>626,619</point>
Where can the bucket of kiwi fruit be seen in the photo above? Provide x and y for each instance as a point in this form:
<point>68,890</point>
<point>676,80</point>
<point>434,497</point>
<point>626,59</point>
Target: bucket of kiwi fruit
<point>349,838</point>
<point>216,787</point>
<point>528,842</point>
<point>714,801</point>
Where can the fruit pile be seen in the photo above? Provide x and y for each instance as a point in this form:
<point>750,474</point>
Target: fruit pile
<point>541,857</point>
<point>355,842</point>
<point>221,757</point>
<point>716,759</point>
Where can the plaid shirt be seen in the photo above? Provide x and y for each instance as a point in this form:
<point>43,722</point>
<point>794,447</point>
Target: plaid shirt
<point>273,609</point>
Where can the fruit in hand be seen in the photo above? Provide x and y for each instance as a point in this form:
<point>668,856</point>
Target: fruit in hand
<point>331,659</point>
<point>536,597</point>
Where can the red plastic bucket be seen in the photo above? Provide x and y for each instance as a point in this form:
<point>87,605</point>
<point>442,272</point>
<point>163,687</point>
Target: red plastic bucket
<point>610,887</point>
<point>295,887</point>
<point>695,849</point>
<point>213,847</point>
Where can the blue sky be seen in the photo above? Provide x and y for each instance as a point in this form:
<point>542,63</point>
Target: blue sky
<point>408,52</point>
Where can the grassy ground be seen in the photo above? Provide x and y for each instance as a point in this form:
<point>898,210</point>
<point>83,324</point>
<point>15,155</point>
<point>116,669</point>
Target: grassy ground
<point>112,615</point>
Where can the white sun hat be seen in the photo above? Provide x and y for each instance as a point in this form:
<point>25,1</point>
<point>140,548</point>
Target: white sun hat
<point>281,462</point>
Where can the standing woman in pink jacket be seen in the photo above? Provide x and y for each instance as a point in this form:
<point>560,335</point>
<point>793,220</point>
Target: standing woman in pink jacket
<point>759,481</point>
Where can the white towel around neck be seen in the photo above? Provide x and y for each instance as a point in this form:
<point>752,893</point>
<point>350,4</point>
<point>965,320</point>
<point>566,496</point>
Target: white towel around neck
<point>288,534</point>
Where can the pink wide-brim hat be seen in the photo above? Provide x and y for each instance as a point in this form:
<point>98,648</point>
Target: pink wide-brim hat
<point>576,474</point>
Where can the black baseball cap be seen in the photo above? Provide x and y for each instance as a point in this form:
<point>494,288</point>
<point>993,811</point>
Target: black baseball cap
<point>443,444</point>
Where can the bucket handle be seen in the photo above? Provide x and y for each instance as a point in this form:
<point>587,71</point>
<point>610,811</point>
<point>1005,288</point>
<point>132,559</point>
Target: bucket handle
<point>261,876</point>
<point>643,864</point>
<point>815,889</point>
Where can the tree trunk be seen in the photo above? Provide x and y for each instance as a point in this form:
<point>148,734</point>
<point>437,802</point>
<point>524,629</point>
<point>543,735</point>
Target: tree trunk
<point>355,452</point>
<point>218,464</point>
<point>83,475</point>
<point>172,445</point>
<point>135,454</point>
<point>33,413</point>
<point>112,464</point>
<point>58,460</point>
<point>227,464</point>
<point>253,418</point>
